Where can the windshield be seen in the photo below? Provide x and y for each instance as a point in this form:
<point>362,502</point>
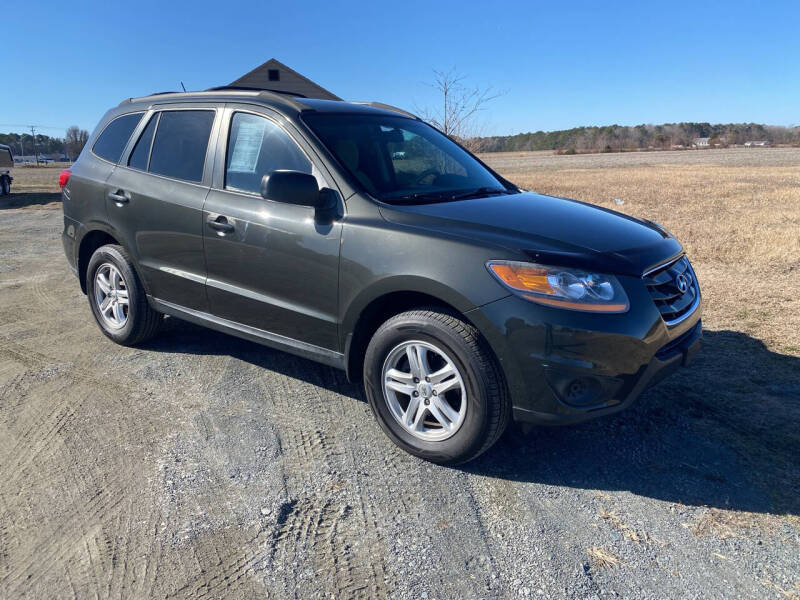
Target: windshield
<point>402,160</point>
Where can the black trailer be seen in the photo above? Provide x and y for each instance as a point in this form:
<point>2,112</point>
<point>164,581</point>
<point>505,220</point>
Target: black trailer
<point>6,164</point>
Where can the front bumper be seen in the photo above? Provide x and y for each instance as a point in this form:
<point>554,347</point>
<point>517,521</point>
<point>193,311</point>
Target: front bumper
<point>661,366</point>
<point>566,366</point>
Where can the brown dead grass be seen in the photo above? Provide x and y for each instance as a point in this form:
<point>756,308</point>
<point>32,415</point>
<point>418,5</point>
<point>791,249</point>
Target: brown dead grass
<point>34,187</point>
<point>792,593</point>
<point>727,524</point>
<point>740,225</point>
<point>738,215</point>
<point>602,558</point>
<point>628,532</point>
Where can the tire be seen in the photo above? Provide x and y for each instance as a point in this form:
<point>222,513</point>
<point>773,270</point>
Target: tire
<point>5,186</point>
<point>449,344</point>
<point>135,322</point>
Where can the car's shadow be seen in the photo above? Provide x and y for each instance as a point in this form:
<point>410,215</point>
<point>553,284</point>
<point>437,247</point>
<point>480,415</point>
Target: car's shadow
<point>723,433</point>
<point>21,200</point>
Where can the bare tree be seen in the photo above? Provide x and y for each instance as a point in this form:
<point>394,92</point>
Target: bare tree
<point>75,141</point>
<point>460,105</point>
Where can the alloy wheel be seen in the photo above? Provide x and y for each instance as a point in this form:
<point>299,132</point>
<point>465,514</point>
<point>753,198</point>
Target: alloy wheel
<point>111,296</point>
<point>424,391</point>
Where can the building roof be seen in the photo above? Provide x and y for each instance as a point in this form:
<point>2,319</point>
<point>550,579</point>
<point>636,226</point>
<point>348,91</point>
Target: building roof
<point>288,80</point>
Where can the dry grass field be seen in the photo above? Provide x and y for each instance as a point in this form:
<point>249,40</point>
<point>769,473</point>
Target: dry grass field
<point>736,211</point>
<point>34,187</point>
<point>201,465</point>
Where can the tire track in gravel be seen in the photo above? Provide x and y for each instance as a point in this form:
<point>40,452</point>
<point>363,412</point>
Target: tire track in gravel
<point>48,422</point>
<point>53,547</point>
<point>76,391</point>
<point>232,572</point>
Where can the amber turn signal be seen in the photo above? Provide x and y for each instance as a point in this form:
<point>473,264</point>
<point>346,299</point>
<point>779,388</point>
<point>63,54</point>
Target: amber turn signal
<point>524,278</point>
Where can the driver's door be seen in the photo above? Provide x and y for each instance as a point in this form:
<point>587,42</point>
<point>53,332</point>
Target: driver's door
<point>271,266</point>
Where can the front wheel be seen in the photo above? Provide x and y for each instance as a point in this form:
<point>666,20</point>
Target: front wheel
<point>5,186</point>
<point>435,387</point>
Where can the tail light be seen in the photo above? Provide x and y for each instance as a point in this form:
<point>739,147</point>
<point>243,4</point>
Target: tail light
<point>63,179</point>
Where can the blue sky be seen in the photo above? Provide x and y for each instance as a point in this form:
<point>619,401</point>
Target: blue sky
<point>559,64</point>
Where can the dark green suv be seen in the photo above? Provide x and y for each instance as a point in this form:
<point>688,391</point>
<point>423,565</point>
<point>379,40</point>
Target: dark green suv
<point>360,237</point>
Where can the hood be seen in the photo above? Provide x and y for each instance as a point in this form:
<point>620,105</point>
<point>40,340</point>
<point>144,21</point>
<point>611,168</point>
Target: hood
<point>549,230</point>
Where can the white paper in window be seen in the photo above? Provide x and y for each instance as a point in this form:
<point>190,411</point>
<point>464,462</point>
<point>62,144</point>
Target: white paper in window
<point>247,146</point>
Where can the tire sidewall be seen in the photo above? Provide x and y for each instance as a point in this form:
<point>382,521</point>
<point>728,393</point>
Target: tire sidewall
<point>470,436</point>
<point>110,254</point>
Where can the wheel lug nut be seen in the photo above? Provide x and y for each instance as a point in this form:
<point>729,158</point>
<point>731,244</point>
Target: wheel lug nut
<point>427,379</point>
<point>416,394</point>
<point>416,379</point>
<point>427,402</point>
<point>435,393</point>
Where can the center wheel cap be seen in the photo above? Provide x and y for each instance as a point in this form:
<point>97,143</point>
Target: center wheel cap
<point>425,389</point>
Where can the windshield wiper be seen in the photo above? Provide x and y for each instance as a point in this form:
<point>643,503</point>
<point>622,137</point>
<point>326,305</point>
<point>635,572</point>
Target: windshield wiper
<point>480,192</point>
<point>422,196</point>
<point>450,196</point>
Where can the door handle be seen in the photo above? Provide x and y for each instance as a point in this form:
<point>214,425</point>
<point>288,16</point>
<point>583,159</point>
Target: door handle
<point>119,197</point>
<point>220,223</point>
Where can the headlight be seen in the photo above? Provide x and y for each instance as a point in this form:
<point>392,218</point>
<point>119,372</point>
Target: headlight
<point>562,287</point>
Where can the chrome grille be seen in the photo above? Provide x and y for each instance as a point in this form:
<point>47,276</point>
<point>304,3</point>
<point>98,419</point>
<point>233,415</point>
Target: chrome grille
<point>674,290</point>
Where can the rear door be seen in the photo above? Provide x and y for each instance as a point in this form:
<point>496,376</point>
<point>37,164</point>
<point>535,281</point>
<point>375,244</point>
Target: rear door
<point>271,266</point>
<point>155,196</point>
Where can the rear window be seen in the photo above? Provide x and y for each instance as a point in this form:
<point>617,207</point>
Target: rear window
<point>141,151</point>
<point>112,141</point>
<point>181,141</point>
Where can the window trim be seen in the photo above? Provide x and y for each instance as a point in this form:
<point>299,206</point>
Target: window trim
<point>157,116</point>
<point>213,141</point>
<point>97,139</point>
<point>229,122</point>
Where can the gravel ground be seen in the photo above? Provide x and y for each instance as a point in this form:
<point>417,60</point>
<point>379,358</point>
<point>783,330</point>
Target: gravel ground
<point>202,465</point>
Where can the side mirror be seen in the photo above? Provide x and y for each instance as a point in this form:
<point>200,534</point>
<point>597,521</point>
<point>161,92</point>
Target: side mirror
<point>292,187</point>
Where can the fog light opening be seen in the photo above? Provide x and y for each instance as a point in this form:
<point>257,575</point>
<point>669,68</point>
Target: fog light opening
<point>582,391</point>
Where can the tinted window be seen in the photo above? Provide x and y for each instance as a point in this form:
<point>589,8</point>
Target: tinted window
<point>401,160</point>
<point>179,148</point>
<point>141,151</point>
<point>112,141</point>
<point>256,147</point>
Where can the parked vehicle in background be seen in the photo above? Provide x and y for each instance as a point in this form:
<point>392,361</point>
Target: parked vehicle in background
<point>6,164</point>
<point>361,237</point>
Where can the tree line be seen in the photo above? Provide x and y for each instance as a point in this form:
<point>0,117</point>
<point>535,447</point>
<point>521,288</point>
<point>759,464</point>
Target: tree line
<point>616,138</point>
<point>22,144</point>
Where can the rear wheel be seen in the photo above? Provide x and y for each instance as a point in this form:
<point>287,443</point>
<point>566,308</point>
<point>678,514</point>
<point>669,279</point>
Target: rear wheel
<point>117,297</point>
<point>5,186</point>
<point>434,386</point>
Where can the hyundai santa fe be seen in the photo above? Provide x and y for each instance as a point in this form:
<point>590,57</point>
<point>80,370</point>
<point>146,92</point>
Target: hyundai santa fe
<point>358,236</point>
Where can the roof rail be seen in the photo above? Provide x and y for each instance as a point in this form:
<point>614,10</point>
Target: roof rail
<point>242,88</point>
<point>293,100</point>
<point>389,107</point>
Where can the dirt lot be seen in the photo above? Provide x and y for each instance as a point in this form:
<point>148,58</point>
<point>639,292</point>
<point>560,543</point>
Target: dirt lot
<point>202,465</point>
